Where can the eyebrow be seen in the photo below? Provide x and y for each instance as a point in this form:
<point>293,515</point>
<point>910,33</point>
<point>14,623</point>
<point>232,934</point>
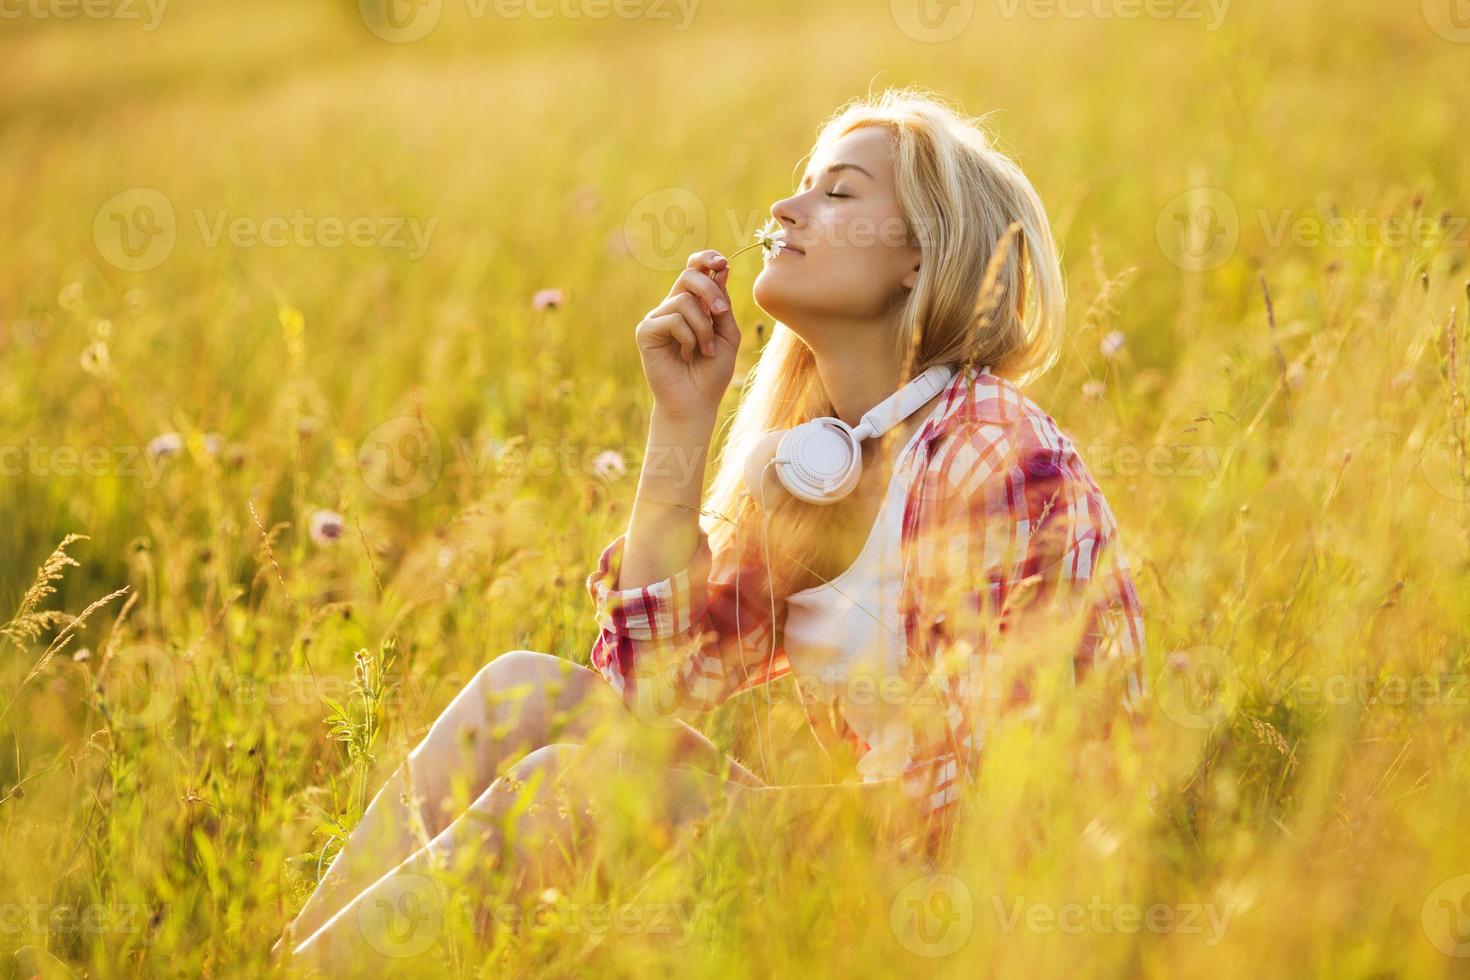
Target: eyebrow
<point>836,167</point>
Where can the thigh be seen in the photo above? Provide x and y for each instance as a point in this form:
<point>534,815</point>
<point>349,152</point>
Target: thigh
<point>523,700</point>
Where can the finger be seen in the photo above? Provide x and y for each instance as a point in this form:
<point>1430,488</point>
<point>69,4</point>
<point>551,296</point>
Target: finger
<point>712,298</point>
<point>699,321</point>
<point>707,259</point>
<point>680,330</point>
<point>663,330</point>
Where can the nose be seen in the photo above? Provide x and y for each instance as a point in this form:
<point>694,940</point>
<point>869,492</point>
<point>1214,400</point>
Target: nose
<point>784,212</point>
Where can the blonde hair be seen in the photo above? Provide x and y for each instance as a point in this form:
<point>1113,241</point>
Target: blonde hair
<point>989,292</point>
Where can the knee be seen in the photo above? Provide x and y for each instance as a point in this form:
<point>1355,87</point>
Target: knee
<point>541,671</point>
<point>551,757</point>
<point>540,765</point>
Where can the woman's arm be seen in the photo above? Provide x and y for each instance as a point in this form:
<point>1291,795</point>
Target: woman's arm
<point>663,529</point>
<point>682,628</point>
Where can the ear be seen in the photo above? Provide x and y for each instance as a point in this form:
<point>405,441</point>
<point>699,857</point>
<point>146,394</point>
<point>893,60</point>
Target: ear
<point>911,279</point>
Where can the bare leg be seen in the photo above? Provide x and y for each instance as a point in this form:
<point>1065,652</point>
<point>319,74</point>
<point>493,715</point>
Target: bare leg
<point>519,702</point>
<point>399,916</point>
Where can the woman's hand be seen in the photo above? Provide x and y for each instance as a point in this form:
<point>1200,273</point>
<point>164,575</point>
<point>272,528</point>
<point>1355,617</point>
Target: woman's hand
<point>688,342</point>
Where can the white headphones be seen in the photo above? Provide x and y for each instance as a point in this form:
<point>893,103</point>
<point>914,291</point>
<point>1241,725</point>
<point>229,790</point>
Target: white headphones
<point>820,461</point>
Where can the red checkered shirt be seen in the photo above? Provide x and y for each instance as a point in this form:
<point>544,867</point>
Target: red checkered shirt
<point>1006,543</point>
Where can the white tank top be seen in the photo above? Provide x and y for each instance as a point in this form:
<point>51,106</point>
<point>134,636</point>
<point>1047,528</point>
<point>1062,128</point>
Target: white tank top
<point>845,642</point>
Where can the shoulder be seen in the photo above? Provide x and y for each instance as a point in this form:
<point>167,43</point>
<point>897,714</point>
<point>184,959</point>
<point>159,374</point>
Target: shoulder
<point>990,425</point>
<point>996,450</point>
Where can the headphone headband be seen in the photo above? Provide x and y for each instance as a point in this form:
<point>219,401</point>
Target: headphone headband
<point>903,402</point>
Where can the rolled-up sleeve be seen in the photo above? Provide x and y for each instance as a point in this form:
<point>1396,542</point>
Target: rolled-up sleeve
<point>665,609</point>
<point>685,643</point>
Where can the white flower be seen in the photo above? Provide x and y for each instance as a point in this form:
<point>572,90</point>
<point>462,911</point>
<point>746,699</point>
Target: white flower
<point>609,465</point>
<point>327,526</point>
<point>1111,344</point>
<point>769,243</point>
<point>165,444</point>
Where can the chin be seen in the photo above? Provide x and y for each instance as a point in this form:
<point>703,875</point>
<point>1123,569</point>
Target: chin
<point>775,297</point>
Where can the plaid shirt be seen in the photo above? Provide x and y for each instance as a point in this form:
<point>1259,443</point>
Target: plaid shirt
<point>1009,552</point>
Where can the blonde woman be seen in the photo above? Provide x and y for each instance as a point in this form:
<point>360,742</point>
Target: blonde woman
<point>973,558</point>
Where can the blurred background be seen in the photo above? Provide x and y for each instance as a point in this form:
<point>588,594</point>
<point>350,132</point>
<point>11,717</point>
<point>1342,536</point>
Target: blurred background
<point>316,320</point>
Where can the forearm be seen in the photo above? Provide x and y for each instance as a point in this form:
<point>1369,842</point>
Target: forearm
<point>663,528</point>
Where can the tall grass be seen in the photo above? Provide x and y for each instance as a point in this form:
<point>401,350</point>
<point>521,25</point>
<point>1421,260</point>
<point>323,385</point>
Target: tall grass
<point>198,698</point>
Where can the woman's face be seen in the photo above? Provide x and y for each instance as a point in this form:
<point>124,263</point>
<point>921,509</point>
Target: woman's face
<point>850,259</point>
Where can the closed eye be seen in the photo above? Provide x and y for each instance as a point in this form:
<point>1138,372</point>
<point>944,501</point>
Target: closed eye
<point>831,194</point>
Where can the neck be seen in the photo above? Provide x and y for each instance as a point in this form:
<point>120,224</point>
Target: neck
<point>856,378</point>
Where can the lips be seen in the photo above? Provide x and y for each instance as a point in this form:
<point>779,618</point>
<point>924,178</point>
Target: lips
<point>788,247</point>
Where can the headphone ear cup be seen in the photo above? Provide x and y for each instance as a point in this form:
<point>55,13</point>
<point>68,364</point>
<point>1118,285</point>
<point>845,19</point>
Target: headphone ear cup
<point>755,464</point>
<point>826,461</point>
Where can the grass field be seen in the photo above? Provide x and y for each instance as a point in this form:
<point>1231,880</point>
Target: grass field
<point>272,264</point>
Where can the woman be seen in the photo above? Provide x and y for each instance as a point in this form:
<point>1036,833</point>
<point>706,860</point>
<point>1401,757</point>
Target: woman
<point>973,562</point>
